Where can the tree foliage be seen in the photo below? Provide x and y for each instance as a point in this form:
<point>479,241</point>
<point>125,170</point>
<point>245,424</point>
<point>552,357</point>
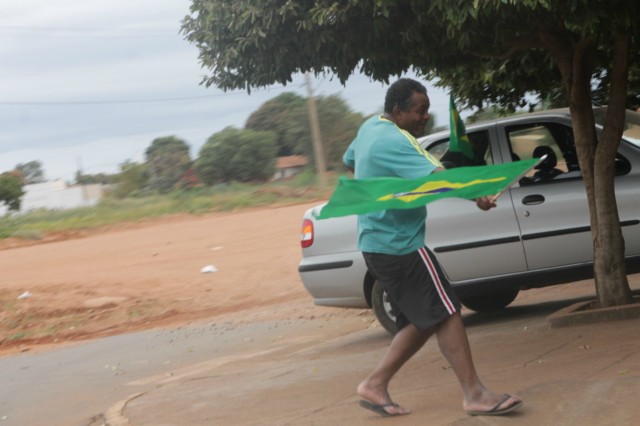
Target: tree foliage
<point>495,51</point>
<point>132,180</point>
<point>31,171</point>
<point>11,191</point>
<point>281,115</point>
<point>500,44</point>
<point>338,125</point>
<point>95,179</point>
<point>167,160</point>
<point>189,180</point>
<point>237,155</point>
<point>287,116</point>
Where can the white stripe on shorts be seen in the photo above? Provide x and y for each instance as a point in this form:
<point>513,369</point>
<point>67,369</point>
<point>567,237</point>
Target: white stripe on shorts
<point>436,279</point>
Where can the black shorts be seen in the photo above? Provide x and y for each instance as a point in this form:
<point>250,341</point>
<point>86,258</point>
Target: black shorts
<point>417,292</point>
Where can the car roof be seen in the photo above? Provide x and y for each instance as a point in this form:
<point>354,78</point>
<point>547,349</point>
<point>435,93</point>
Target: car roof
<point>557,112</point>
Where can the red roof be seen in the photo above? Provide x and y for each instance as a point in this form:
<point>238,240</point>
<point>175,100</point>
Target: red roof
<point>291,161</point>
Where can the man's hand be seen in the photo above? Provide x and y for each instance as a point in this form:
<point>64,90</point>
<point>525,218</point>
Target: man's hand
<point>486,203</point>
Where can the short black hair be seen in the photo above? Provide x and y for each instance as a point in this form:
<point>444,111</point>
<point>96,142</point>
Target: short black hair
<point>400,92</point>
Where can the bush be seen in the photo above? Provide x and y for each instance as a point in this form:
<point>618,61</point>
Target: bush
<point>237,155</point>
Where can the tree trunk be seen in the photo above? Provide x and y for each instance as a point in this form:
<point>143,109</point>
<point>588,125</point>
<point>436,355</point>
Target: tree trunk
<point>610,271</point>
<point>597,161</point>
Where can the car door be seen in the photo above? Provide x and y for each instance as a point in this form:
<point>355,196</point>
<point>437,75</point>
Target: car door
<point>555,224</point>
<point>551,202</point>
<point>627,184</point>
<point>471,244</point>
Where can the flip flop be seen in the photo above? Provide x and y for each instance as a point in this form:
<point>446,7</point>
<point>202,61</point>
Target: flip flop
<point>494,411</point>
<point>380,408</point>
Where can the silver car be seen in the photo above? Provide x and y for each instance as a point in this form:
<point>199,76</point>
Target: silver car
<point>538,235</point>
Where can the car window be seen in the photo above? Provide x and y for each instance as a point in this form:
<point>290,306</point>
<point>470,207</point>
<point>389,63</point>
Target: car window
<point>438,148</point>
<point>556,141</point>
<point>536,140</point>
<point>481,148</point>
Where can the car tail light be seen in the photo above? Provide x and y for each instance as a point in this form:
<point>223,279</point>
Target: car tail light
<point>306,236</point>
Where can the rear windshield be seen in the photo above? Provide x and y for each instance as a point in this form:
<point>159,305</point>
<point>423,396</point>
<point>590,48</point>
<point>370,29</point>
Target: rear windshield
<point>631,132</point>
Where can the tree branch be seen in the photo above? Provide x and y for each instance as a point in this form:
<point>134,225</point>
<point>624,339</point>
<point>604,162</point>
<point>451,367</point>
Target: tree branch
<point>519,43</point>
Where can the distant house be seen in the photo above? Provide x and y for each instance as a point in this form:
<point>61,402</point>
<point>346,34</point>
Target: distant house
<point>289,166</point>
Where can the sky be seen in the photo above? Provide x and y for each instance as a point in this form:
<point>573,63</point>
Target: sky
<point>88,84</point>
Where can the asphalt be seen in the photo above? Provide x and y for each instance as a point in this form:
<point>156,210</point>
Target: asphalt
<point>305,372</point>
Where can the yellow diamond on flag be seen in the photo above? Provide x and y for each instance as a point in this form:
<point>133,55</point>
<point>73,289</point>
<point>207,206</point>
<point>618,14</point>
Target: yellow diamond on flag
<point>436,187</point>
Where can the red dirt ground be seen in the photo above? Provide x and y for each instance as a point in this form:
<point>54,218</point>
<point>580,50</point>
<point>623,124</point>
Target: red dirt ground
<point>144,275</point>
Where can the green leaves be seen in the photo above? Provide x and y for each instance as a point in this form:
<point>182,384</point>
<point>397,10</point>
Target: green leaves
<point>256,43</point>
<point>31,171</point>
<point>11,190</point>
<point>167,160</point>
<point>283,115</point>
<point>237,155</point>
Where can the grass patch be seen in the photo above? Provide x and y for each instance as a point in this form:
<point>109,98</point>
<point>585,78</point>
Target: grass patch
<point>28,234</point>
<point>21,335</point>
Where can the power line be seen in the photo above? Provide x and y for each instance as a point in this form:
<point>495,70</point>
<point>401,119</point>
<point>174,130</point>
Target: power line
<point>90,36</point>
<point>135,101</point>
<point>76,29</point>
<point>35,32</point>
<point>131,101</point>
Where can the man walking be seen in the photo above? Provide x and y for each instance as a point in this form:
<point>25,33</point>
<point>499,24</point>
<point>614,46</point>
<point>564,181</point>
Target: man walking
<point>392,243</point>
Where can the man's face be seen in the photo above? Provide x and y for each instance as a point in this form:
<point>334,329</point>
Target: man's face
<point>415,119</point>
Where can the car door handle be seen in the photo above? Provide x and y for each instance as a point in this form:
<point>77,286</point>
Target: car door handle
<point>530,200</point>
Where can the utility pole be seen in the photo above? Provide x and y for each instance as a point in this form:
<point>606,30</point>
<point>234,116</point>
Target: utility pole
<point>318,149</point>
<point>83,188</point>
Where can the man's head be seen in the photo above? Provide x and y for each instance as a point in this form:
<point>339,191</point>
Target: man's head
<point>407,105</point>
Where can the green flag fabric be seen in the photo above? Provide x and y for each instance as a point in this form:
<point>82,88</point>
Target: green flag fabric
<point>359,196</point>
<point>458,140</point>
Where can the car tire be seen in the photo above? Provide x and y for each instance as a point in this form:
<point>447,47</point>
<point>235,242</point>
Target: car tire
<point>491,300</point>
<point>382,308</point>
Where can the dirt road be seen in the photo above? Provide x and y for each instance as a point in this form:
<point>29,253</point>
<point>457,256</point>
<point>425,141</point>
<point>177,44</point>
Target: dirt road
<point>146,275</point>
<point>305,368</point>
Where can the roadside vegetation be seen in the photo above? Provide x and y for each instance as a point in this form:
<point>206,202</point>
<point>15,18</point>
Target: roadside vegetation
<point>111,210</point>
<point>233,169</point>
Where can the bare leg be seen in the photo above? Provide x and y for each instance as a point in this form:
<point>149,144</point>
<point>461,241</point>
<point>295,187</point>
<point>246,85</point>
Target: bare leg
<point>404,345</point>
<point>453,342</point>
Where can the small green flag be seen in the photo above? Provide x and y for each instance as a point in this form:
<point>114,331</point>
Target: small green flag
<point>458,140</point>
<point>359,196</point>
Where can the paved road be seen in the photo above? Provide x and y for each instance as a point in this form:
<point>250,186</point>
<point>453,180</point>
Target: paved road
<point>303,371</point>
<point>72,385</point>
<point>582,375</point>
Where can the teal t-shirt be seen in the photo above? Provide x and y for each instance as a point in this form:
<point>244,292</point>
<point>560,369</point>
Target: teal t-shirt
<point>383,149</point>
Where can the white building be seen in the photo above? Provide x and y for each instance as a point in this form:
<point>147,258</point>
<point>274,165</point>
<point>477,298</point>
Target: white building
<point>57,195</point>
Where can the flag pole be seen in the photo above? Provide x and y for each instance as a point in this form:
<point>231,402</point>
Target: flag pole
<point>517,178</point>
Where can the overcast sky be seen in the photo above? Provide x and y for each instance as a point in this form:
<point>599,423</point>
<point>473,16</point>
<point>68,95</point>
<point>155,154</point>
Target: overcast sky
<point>90,83</point>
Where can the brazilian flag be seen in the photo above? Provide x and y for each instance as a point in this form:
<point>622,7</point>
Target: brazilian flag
<point>360,196</point>
<point>458,140</point>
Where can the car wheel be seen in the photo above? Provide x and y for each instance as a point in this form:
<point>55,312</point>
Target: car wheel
<point>491,301</point>
<point>382,308</point>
